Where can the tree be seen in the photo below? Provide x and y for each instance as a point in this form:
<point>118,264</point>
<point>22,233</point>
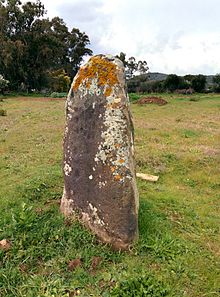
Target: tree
<point>216,81</point>
<point>59,81</point>
<point>77,49</point>
<point>198,83</point>
<point>122,57</point>
<point>142,67</point>
<point>31,45</point>
<point>173,82</point>
<point>131,66</point>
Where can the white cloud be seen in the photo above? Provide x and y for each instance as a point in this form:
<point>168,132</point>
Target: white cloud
<point>174,36</point>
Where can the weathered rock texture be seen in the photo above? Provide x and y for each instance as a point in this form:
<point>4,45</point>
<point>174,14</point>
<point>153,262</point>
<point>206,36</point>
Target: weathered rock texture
<point>99,174</point>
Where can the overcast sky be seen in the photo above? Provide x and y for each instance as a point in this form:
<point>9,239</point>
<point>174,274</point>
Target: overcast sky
<point>173,36</point>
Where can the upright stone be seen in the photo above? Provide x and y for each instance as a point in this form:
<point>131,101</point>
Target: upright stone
<point>99,173</point>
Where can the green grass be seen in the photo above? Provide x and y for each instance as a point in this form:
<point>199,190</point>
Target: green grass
<point>178,252</point>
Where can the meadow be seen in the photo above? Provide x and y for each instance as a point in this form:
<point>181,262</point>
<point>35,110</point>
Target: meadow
<point>178,251</point>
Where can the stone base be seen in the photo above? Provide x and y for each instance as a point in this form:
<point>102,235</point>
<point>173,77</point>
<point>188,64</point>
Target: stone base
<point>88,221</point>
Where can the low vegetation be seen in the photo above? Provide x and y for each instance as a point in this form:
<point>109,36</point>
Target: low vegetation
<point>3,112</point>
<point>177,253</point>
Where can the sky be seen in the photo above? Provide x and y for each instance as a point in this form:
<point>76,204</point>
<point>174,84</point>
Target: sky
<point>173,36</point>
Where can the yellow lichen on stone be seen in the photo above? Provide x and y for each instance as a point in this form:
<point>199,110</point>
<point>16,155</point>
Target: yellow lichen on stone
<point>102,69</point>
<point>108,91</point>
<point>117,177</point>
<point>113,105</point>
<point>112,169</point>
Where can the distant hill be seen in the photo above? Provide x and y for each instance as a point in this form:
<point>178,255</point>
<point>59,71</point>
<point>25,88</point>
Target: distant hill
<point>157,76</point>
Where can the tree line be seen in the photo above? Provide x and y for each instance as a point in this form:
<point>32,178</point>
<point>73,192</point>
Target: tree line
<point>173,83</point>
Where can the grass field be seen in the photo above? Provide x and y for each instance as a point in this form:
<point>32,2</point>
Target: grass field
<point>178,252</point>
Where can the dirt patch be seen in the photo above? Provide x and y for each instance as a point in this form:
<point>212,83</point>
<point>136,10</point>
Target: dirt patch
<point>73,264</point>
<point>151,100</point>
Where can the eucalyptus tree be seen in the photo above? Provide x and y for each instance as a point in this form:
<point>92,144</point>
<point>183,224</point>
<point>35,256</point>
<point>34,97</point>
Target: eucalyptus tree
<point>31,45</point>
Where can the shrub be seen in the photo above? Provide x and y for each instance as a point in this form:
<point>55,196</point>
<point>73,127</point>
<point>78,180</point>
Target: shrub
<point>3,112</point>
<point>133,97</point>
<point>59,81</point>
<point>133,85</point>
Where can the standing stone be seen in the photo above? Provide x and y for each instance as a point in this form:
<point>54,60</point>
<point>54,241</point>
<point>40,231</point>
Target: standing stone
<point>99,173</point>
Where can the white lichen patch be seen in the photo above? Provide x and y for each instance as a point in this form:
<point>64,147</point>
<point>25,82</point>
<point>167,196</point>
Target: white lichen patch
<point>117,100</point>
<point>69,116</point>
<point>102,184</point>
<point>92,89</point>
<point>66,131</point>
<point>114,147</point>
<point>95,216</point>
<point>67,169</point>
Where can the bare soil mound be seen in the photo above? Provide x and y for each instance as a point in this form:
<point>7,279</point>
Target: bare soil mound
<point>151,100</point>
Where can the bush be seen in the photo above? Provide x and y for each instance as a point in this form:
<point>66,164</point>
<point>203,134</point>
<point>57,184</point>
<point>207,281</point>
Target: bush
<point>133,97</point>
<point>3,112</point>
<point>59,81</point>
<point>133,85</point>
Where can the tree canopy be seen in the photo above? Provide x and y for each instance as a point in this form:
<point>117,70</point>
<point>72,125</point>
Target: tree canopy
<point>216,81</point>
<point>132,66</point>
<point>32,45</point>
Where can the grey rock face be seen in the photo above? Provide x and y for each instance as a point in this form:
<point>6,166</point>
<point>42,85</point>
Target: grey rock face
<point>99,174</point>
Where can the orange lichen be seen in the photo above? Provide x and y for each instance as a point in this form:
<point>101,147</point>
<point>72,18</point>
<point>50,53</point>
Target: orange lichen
<point>112,169</point>
<point>112,105</point>
<point>121,161</point>
<point>108,91</point>
<point>117,177</point>
<point>101,68</point>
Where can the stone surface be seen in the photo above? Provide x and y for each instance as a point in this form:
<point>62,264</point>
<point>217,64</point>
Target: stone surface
<point>99,173</point>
